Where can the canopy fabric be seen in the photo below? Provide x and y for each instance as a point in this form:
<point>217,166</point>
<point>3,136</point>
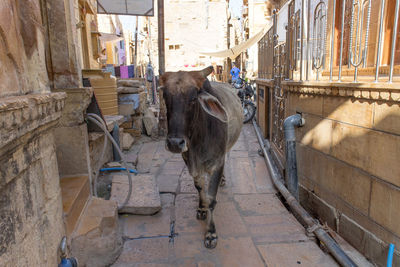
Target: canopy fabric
<point>238,49</point>
<point>126,7</point>
<point>110,37</point>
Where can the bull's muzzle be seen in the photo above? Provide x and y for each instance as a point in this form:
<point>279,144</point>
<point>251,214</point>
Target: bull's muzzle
<point>176,144</point>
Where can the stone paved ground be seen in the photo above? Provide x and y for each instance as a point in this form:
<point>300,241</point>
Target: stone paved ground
<point>254,227</point>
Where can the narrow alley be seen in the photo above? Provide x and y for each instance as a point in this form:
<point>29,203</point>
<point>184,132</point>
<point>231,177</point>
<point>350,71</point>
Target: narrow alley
<point>91,90</point>
<point>254,227</point>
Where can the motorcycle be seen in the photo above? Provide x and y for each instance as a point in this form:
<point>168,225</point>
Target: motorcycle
<point>245,94</point>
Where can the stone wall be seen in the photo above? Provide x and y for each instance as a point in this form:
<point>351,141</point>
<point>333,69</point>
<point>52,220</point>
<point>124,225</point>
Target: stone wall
<point>64,47</point>
<point>22,56</point>
<point>348,155</point>
<point>31,224</point>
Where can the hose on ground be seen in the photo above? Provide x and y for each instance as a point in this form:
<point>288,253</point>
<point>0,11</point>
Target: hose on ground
<point>118,169</point>
<point>105,143</point>
<point>100,123</point>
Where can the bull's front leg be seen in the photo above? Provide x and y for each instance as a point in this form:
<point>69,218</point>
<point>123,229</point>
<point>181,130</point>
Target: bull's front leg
<point>210,240</point>
<point>199,183</point>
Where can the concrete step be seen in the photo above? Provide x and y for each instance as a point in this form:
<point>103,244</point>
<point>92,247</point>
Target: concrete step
<point>145,197</point>
<point>75,193</point>
<point>97,240</point>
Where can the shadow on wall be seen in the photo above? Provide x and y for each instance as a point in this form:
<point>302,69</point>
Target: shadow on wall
<point>348,156</point>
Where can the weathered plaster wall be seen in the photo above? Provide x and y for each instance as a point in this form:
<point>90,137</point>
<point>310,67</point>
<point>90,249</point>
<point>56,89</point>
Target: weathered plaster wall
<point>31,224</point>
<point>22,57</point>
<point>64,44</point>
<point>348,167</point>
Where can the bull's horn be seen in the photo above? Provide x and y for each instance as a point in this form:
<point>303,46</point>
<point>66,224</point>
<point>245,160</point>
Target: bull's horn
<point>207,71</point>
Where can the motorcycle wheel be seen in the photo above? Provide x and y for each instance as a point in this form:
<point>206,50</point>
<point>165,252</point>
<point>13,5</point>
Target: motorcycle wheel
<point>249,110</point>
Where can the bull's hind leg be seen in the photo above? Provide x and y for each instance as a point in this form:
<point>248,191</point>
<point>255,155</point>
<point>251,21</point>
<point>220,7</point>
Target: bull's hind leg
<point>202,210</point>
<point>210,240</point>
<point>223,180</point>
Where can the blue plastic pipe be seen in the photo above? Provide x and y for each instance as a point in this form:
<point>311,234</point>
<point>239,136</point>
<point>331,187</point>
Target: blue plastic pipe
<point>390,256</point>
<point>118,169</point>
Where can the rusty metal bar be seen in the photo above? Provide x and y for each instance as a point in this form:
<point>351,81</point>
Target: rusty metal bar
<point>378,53</point>
<point>341,42</point>
<point>367,32</point>
<point>319,36</point>
<point>332,40</point>
<point>301,39</point>
<point>359,55</point>
<point>308,39</point>
<point>274,40</point>
<point>394,37</point>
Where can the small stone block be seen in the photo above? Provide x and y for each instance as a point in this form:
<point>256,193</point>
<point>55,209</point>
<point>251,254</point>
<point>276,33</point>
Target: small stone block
<point>145,197</point>
<point>129,83</point>
<point>113,164</point>
<point>149,121</point>
<point>134,132</point>
<point>127,124</point>
<point>127,141</point>
<point>126,109</point>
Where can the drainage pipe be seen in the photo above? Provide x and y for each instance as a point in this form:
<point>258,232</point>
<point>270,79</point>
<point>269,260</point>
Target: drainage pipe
<point>100,123</point>
<point>312,224</point>
<point>115,135</point>
<point>291,162</point>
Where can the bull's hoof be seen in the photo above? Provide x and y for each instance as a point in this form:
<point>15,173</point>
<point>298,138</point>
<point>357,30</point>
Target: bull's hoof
<point>201,214</point>
<point>210,241</point>
<point>223,182</point>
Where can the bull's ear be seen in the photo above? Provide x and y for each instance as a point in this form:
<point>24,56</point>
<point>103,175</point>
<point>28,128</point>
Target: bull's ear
<point>200,76</point>
<point>212,106</point>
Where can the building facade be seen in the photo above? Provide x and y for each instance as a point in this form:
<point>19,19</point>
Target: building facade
<point>256,16</point>
<point>348,149</point>
<point>45,165</point>
<point>191,27</point>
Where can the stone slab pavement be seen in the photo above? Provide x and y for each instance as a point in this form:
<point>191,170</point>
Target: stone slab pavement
<point>254,227</point>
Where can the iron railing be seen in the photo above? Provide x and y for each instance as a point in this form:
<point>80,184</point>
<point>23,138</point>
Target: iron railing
<point>265,55</point>
<point>319,37</point>
<point>308,48</point>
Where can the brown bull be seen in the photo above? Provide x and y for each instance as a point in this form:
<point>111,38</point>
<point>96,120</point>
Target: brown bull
<point>204,122</point>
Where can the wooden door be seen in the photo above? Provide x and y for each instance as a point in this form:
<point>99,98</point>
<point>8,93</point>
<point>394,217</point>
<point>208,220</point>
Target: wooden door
<point>388,34</point>
<point>346,31</point>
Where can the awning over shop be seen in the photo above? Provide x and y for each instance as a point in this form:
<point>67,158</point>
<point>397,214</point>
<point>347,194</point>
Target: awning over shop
<point>236,50</point>
<point>126,7</point>
<point>110,37</point>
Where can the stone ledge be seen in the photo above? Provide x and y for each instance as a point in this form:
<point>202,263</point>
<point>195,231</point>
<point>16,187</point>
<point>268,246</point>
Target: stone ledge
<point>23,114</point>
<point>112,120</point>
<point>264,81</point>
<point>365,90</point>
<point>76,103</point>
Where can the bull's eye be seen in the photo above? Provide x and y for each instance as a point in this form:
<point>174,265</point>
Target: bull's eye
<point>193,99</point>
